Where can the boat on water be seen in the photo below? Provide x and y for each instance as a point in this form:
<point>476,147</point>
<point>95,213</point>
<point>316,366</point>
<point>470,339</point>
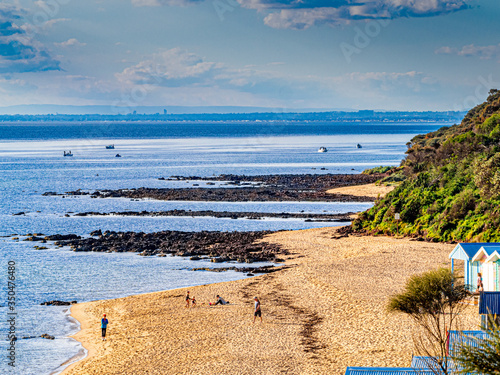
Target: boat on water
<point>68,153</point>
<point>110,147</point>
<point>322,149</point>
<point>359,146</point>
<point>118,156</point>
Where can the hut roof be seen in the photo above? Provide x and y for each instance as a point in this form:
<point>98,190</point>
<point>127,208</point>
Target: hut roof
<point>489,303</point>
<point>430,363</point>
<point>470,338</point>
<point>466,251</point>
<point>387,371</point>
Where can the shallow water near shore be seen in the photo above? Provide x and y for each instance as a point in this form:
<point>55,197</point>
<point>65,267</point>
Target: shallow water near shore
<point>31,163</point>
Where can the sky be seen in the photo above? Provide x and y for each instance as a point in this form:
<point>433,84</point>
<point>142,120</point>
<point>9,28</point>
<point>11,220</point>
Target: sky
<point>416,55</point>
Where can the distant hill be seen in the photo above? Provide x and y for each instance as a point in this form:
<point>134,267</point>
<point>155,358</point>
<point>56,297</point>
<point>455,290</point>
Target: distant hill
<point>451,187</point>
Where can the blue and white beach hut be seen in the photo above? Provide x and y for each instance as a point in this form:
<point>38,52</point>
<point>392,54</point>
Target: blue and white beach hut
<point>387,371</point>
<point>489,257</point>
<point>472,264</point>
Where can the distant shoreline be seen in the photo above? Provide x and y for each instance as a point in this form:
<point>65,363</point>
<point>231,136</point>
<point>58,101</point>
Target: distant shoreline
<point>256,117</point>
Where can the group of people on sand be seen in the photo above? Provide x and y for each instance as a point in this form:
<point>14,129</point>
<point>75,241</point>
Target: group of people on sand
<point>222,301</point>
<point>192,301</point>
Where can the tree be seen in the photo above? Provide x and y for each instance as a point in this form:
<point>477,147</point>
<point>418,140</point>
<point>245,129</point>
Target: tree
<point>482,356</point>
<point>434,301</point>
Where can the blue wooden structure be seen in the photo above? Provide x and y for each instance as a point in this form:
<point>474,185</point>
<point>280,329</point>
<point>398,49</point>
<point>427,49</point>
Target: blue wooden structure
<point>387,371</point>
<point>472,264</point>
<point>459,338</point>
<point>489,303</point>
<point>429,363</point>
<point>489,309</point>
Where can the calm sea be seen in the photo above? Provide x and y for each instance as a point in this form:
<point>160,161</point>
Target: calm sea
<point>32,162</point>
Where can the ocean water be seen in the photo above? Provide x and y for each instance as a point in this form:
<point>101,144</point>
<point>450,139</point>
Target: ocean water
<point>31,163</point>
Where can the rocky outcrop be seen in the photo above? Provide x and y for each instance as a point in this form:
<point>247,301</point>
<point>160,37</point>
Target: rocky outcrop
<point>226,214</point>
<point>281,188</point>
<point>219,246</point>
<point>58,303</point>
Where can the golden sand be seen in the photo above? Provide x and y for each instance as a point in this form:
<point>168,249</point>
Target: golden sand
<point>327,311</point>
<point>368,190</point>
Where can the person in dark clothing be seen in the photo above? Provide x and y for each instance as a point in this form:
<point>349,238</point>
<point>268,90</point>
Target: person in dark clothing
<point>257,311</point>
<point>104,325</point>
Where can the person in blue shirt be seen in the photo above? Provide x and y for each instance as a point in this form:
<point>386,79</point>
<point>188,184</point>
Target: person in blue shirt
<point>104,325</point>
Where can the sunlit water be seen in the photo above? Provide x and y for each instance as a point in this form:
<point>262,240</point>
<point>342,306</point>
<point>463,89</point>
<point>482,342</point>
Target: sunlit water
<point>31,163</point>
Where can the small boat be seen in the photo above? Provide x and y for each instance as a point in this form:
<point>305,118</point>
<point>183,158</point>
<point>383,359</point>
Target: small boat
<point>68,153</point>
<point>359,146</point>
<point>322,149</point>
<point>110,147</point>
<point>118,156</point>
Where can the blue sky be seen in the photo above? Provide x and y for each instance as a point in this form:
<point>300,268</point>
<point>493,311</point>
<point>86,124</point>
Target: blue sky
<point>361,54</point>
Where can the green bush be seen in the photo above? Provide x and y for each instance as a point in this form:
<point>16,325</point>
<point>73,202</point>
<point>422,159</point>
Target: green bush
<point>449,186</point>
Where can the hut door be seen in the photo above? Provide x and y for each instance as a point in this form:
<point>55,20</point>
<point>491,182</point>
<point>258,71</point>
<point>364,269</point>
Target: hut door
<point>495,273</point>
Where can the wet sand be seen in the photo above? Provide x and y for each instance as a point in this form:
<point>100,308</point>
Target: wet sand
<point>327,311</point>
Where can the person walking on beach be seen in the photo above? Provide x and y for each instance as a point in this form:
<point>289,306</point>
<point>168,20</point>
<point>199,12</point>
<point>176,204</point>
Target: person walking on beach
<point>193,302</point>
<point>188,299</point>
<point>104,325</point>
<point>257,311</point>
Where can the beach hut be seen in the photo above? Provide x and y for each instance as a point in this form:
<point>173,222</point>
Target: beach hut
<point>489,308</point>
<point>387,371</point>
<point>489,257</point>
<point>474,255</point>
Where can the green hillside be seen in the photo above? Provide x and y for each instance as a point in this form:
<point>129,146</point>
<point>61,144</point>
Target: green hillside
<point>452,187</point>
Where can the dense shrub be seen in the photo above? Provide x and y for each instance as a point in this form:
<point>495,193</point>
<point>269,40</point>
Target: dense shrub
<point>451,187</point>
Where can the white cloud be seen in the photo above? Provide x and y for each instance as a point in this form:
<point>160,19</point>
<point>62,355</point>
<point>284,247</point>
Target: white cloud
<point>156,3</point>
<point>173,67</point>
<point>70,43</point>
<point>483,52</point>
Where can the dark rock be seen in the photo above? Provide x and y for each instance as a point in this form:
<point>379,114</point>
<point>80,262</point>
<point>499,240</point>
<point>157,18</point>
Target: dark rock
<point>57,303</point>
<point>47,336</point>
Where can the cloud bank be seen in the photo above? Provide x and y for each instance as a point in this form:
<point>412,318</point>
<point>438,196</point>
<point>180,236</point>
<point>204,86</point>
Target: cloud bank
<point>302,14</point>
<point>18,52</point>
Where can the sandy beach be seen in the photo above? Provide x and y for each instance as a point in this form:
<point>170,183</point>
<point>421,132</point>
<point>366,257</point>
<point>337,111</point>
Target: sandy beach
<point>326,311</point>
<point>368,190</point>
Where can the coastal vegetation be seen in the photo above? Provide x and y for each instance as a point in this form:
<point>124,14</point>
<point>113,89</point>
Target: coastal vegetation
<point>450,188</point>
<point>434,300</point>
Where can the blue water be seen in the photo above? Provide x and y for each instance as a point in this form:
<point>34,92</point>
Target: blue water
<point>31,163</point>
<point>149,130</point>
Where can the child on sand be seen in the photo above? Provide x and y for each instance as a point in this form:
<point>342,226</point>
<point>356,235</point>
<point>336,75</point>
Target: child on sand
<point>193,302</point>
<point>104,325</point>
<point>187,299</point>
